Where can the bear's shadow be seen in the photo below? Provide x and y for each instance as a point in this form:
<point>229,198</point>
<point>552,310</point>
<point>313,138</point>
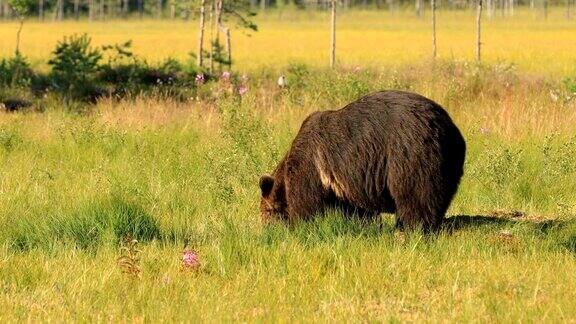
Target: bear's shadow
<point>334,226</point>
<point>329,227</point>
<point>462,222</point>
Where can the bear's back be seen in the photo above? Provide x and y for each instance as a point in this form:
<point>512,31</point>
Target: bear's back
<point>375,118</point>
<point>353,148</point>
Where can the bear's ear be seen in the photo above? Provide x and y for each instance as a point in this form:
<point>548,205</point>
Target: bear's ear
<point>266,184</point>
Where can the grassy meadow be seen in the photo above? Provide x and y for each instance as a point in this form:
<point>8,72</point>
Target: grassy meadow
<point>170,173</point>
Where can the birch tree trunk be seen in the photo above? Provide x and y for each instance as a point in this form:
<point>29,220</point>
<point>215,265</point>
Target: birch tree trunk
<point>76,9</point>
<point>90,10</point>
<point>40,9</point>
<point>20,25</point>
<point>511,8</point>
<point>218,21</point>
<point>59,10</point>
<point>489,8</point>
<point>111,8</point>
<point>433,8</point>
<point>159,13</point>
<point>212,8</point>
<point>478,31</point>
<point>418,7</point>
<point>201,33</point>
<point>333,36</point>
<point>226,32</point>
<point>218,25</point>
<point>125,8</point>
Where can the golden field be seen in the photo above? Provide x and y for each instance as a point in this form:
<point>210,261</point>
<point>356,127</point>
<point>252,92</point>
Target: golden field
<point>366,38</point>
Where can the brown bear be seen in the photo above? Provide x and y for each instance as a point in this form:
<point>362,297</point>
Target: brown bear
<point>390,151</point>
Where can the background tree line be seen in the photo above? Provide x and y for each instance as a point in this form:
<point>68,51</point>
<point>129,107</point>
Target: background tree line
<point>185,9</point>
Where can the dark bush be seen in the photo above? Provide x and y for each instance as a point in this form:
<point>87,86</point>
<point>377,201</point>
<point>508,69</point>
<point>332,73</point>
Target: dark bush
<point>79,74</point>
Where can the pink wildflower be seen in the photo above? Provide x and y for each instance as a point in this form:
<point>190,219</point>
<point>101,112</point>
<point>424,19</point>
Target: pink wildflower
<point>226,76</point>
<point>199,79</point>
<point>190,259</point>
<point>357,69</point>
<point>242,90</point>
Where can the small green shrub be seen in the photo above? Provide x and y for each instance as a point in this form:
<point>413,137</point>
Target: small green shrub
<point>15,72</point>
<point>75,65</point>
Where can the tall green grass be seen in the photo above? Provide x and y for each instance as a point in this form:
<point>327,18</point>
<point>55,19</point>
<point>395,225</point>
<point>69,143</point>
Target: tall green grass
<point>73,186</point>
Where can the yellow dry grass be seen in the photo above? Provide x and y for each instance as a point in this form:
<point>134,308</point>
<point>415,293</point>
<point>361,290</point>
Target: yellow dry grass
<point>533,44</point>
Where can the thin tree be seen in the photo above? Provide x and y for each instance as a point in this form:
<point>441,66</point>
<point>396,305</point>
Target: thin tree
<point>1,8</point>
<point>419,7</point>
<point>199,54</point>
<point>212,18</point>
<point>20,25</point>
<point>140,8</point>
<point>40,9</point>
<point>218,19</point>
<point>226,31</point>
<point>511,8</point>
<point>218,26</point>
<point>90,10</point>
<point>20,8</point>
<point>478,30</point>
<point>159,12</point>
<point>59,12</point>
<point>489,8</point>
<point>111,8</point>
<point>568,9</point>
<point>76,9</point>
<point>433,9</point>
<point>125,8</point>
<point>391,5</point>
<point>333,36</point>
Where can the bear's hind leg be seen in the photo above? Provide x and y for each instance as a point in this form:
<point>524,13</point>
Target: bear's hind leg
<point>413,215</point>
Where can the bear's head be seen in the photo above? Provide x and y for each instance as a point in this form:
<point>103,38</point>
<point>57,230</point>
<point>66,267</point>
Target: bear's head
<point>273,202</point>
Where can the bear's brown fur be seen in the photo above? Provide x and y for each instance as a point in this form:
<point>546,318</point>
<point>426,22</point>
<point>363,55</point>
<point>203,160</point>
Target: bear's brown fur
<point>390,151</point>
